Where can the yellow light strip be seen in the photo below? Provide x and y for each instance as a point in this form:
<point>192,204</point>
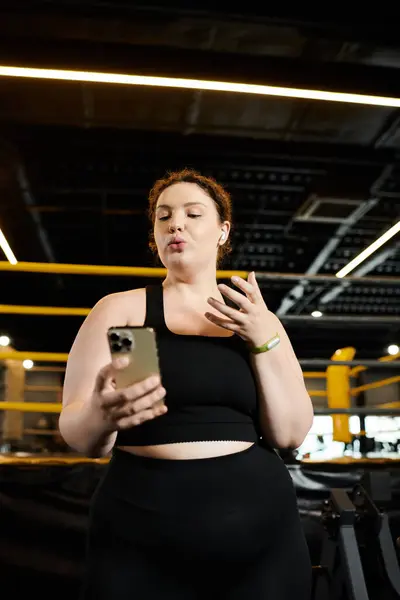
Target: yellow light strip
<point>5,246</point>
<point>197,84</point>
<point>368,251</point>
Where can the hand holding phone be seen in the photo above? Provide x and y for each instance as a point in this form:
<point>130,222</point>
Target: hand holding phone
<point>137,346</point>
<point>129,390</point>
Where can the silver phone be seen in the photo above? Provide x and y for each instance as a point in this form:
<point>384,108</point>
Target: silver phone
<point>139,344</point>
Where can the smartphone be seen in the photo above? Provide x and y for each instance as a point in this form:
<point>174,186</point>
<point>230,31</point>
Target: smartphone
<point>139,344</point>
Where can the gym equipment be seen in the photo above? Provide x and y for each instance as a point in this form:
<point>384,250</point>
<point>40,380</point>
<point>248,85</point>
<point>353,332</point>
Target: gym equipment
<point>358,557</point>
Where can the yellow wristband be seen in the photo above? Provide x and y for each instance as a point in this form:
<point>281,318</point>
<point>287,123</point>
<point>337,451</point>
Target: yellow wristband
<point>274,341</point>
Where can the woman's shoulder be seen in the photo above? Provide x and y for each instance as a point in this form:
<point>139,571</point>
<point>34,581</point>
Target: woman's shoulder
<point>129,305</point>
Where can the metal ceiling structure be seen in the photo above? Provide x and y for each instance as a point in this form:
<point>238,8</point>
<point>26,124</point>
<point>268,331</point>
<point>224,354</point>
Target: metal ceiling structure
<point>313,183</point>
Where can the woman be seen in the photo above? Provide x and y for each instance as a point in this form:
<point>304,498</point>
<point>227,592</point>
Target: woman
<point>191,505</point>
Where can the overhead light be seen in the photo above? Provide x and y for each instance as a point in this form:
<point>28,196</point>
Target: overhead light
<point>368,251</point>
<point>4,341</point>
<point>27,364</point>
<point>393,349</point>
<point>5,246</point>
<point>197,84</point>
<point>316,314</point>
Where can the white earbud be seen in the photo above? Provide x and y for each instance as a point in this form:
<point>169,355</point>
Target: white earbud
<point>223,236</point>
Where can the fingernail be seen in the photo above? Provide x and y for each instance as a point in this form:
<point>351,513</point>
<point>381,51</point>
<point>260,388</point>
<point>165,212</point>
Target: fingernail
<point>121,362</point>
<point>155,380</point>
<point>234,278</point>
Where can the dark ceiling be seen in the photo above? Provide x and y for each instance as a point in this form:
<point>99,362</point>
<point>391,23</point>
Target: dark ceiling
<point>313,182</point>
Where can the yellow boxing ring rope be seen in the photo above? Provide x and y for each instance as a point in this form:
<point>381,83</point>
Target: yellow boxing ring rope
<point>75,269</point>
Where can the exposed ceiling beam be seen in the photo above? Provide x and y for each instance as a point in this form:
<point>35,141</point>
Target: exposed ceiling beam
<point>16,196</point>
<point>30,203</point>
<point>369,266</point>
<point>389,130</point>
<point>223,152</point>
<point>380,29</point>
<point>297,292</point>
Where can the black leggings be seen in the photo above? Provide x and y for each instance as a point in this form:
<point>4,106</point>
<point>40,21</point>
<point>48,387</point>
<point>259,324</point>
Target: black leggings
<point>224,528</point>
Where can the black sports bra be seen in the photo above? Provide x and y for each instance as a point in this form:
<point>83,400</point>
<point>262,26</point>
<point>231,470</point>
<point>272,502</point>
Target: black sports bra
<point>211,392</point>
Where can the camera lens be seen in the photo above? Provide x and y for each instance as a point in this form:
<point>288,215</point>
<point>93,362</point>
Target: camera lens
<point>127,342</point>
<point>116,347</point>
<point>114,337</point>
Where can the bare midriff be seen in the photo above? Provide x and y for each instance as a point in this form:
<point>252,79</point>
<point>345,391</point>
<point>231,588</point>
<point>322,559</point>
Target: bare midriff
<point>189,450</point>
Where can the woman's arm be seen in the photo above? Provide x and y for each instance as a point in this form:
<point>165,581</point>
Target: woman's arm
<point>285,408</point>
<point>81,424</point>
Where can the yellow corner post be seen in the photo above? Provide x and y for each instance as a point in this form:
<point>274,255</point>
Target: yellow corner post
<point>339,393</point>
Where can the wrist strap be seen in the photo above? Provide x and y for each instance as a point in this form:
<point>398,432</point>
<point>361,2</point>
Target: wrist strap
<point>274,341</point>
